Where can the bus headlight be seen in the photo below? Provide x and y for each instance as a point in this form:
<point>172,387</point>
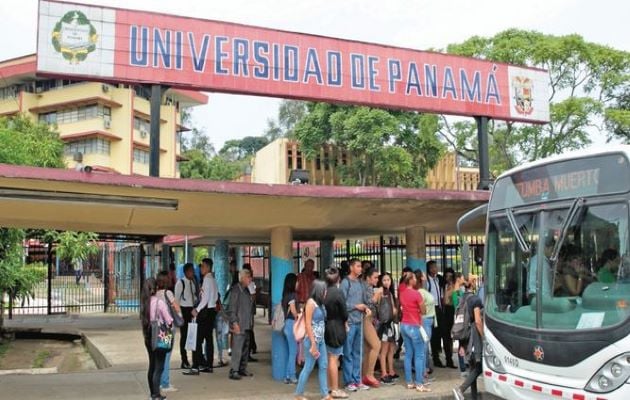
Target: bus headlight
<point>611,376</point>
<point>491,359</point>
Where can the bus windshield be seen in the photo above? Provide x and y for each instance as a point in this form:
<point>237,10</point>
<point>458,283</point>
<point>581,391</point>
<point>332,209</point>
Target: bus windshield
<point>585,286</point>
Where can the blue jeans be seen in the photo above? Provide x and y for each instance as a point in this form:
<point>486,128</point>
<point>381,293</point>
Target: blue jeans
<point>309,364</point>
<point>414,353</point>
<point>352,355</point>
<point>293,349</point>
<point>427,323</point>
<point>165,380</point>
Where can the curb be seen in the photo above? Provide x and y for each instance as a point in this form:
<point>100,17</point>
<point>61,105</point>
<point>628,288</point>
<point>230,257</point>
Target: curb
<point>29,371</point>
<point>99,358</point>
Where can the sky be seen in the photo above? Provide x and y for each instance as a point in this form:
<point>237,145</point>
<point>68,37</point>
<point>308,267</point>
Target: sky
<point>417,24</point>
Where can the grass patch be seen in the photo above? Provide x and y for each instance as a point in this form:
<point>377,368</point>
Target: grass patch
<point>41,358</point>
<point>4,347</point>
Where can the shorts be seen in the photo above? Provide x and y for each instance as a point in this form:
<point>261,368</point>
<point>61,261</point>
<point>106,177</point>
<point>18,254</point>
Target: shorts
<point>387,333</point>
<point>335,351</point>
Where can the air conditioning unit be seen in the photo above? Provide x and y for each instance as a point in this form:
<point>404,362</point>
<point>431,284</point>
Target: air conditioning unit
<point>107,123</point>
<point>39,89</point>
<point>105,88</point>
<point>143,133</point>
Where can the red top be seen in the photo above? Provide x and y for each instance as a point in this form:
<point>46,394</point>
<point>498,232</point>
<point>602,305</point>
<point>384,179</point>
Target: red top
<point>410,302</point>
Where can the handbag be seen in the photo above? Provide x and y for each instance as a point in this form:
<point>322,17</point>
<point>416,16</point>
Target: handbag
<point>161,334</point>
<point>178,319</point>
<point>299,328</point>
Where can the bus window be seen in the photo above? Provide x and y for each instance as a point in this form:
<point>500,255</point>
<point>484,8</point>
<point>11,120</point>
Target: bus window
<point>509,266</point>
<point>591,288</point>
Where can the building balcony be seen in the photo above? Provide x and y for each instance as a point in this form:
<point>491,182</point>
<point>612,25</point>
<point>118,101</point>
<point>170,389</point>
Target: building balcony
<point>76,95</point>
<point>93,160</point>
<point>9,107</point>
<point>97,124</point>
<point>140,168</point>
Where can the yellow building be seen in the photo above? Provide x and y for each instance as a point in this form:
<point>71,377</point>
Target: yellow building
<point>107,123</point>
<point>274,163</point>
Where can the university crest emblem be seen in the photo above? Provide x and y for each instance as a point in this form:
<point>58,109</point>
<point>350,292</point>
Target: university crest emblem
<point>74,37</point>
<point>523,95</point>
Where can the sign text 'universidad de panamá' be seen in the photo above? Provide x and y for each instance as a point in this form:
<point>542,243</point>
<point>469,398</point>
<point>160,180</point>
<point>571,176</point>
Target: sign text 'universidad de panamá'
<point>142,47</point>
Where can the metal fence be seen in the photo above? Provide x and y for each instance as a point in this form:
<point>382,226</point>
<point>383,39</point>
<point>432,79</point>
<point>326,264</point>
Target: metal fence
<point>109,282</point>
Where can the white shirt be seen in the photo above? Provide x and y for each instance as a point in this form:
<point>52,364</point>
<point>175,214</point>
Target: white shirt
<point>209,293</point>
<point>434,289</point>
<point>185,292</point>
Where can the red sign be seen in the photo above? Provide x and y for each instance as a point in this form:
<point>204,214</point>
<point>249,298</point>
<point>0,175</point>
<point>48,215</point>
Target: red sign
<point>189,53</point>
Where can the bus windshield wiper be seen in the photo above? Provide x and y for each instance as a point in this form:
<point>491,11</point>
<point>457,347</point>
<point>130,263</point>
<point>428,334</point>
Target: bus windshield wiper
<point>577,206</point>
<point>517,232</point>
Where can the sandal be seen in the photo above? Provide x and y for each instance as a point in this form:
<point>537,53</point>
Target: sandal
<point>339,394</point>
<point>422,388</point>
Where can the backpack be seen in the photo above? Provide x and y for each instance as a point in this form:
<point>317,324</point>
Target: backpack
<point>461,326</point>
<point>299,328</point>
<point>277,322</point>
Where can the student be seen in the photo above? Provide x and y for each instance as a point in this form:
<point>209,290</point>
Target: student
<point>372,342</point>
<point>474,347</point>
<point>152,309</point>
<point>186,293</point>
<point>167,297</point>
<point>428,319</point>
<point>336,330</point>
<point>412,309</point>
<point>289,307</point>
<point>356,299</point>
<point>387,315</point>
<point>314,344</point>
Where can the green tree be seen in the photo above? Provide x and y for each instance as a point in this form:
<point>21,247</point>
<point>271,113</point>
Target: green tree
<point>290,113</point>
<point>386,148</point>
<point>215,168</point>
<point>23,143</point>
<point>239,149</point>
<point>75,246</point>
<point>587,84</point>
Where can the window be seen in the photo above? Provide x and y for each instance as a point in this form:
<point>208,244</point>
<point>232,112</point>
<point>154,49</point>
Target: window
<point>76,114</point>
<point>141,124</point>
<point>9,92</point>
<point>141,156</point>
<point>88,146</point>
<point>587,287</point>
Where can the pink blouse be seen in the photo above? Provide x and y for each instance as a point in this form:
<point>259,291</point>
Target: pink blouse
<point>162,312</point>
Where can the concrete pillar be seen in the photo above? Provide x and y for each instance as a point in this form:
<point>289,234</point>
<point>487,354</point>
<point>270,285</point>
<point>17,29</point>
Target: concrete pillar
<point>166,256</point>
<point>281,266</point>
<point>221,265</point>
<point>415,238</point>
<point>189,253</point>
<point>326,255</point>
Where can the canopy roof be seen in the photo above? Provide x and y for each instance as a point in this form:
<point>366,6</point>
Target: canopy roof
<point>109,203</point>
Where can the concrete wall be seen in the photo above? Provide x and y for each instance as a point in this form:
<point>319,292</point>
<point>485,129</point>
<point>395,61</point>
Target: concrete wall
<point>270,164</point>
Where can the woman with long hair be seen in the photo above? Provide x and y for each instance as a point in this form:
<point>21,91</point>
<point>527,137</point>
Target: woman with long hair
<point>164,293</point>
<point>371,341</point>
<point>314,344</point>
<point>387,314</point>
<point>413,308</point>
<point>289,308</point>
<point>428,319</point>
<point>153,309</point>
<point>336,330</point>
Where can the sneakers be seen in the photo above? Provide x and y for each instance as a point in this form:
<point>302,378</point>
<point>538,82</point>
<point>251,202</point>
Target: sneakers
<point>458,393</point>
<point>169,388</point>
<point>192,371</point>
<point>235,376</point>
<point>353,387</point>
<point>362,386</point>
<point>290,381</point>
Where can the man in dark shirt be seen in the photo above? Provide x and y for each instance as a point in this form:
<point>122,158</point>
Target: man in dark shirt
<point>474,347</point>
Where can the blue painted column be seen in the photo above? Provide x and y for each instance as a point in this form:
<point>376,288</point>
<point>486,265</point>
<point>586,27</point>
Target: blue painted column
<point>221,265</point>
<point>415,238</point>
<point>281,266</point>
<point>326,255</point>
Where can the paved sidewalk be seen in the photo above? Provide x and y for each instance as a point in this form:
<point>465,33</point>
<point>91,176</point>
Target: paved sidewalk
<point>119,342</point>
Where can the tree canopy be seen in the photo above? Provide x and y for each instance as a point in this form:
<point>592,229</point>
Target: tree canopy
<point>589,94</point>
<point>385,148</point>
